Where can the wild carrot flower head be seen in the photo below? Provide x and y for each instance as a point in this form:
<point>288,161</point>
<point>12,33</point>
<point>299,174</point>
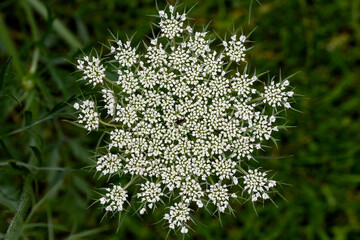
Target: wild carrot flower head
<point>181,120</point>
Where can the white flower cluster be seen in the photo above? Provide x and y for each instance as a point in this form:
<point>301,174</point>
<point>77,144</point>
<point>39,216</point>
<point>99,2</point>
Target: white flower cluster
<point>114,199</point>
<point>108,164</point>
<point>124,54</point>
<point>180,120</point>
<point>150,193</point>
<point>276,95</point>
<point>235,49</point>
<point>88,115</point>
<point>171,26</point>
<point>178,216</point>
<point>93,70</point>
<point>110,101</point>
<point>219,196</point>
<point>257,185</point>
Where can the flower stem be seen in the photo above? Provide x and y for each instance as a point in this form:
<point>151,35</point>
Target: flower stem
<point>241,170</point>
<point>25,202</point>
<point>108,124</point>
<point>130,182</point>
<point>211,180</point>
<point>111,82</point>
<point>227,66</point>
<point>255,100</point>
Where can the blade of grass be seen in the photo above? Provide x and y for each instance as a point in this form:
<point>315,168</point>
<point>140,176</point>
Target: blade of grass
<point>3,70</point>
<point>87,233</point>
<point>42,200</point>
<point>59,27</point>
<point>50,225</point>
<point>59,107</point>
<point>25,202</point>
<point>10,46</point>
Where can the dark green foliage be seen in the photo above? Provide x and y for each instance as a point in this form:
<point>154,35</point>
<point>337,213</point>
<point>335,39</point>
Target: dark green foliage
<point>319,38</point>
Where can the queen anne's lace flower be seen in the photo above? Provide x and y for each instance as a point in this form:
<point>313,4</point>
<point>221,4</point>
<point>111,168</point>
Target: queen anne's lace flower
<point>212,64</point>
<point>110,101</point>
<point>125,54</point>
<point>109,164</point>
<point>198,44</point>
<point>114,199</point>
<point>224,168</point>
<point>242,84</point>
<point>257,185</point>
<point>156,55</point>
<point>150,194</point>
<point>191,191</point>
<point>244,111</point>
<point>262,126</point>
<point>88,115</point>
<point>235,49</point>
<point>219,196</point>
<point>127,81</point>
<point>171,26</point>
<point>180,58</point>
<point>275,94</point>
<point>179,121</point>
<point>178,216</point>
<point>93,70</point>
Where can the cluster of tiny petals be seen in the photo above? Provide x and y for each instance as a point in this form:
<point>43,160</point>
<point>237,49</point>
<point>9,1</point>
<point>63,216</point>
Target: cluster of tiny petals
<point>224,168</point>
<point>88,114</point>
<point>150,193</point>
<point>235,49</point>
<point>198,44</point>
<point>110,101</point>
<point>124,53</point>
<point>191,191</point>
<point>178,216</point>
<point>219,196</point>
<point>257,185</point>
<point>93,70</point>
<point>114,199</point>
<point>172,26</point>
<point>180,115</point>
<point>276,96</point>
<point>109,164</point>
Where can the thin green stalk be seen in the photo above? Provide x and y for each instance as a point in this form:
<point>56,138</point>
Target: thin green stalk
<point>255,100</point>
<point>241,170</point>
<point>112,83</point>
<point>227,66</point>
<point>34,33</point>
<point>59,27</point>
<point>108,124</point>
<point>211,180</point>
<point>15,226</point>
<point>130,182</point>
<point>10,47</point>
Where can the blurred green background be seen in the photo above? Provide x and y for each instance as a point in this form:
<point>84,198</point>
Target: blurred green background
<point>47,155</point>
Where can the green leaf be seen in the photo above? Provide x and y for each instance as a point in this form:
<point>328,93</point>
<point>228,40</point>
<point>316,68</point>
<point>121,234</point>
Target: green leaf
<point>87,233</point>
<point>46,117</point>
<point>37,153</point>
<point>15,165</point>
<point>11,96</point>
<point>20,165</point>
<point>3,70</point>
<point>48,195</point>
<point>10,204</point>
<point>4,149</point>
<point>28,118</point>
<point>58,26</point>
